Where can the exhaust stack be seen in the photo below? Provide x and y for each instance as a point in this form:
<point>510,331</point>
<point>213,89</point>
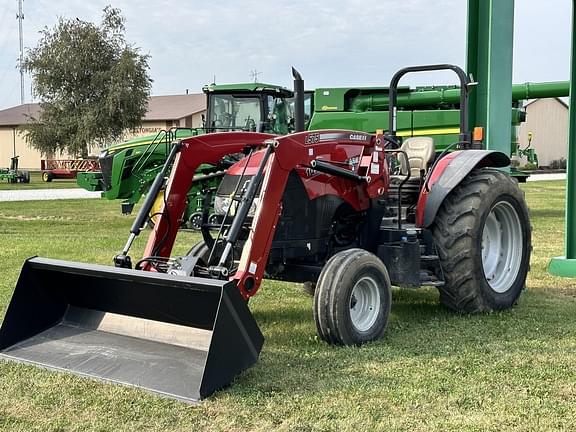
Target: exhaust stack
<point>298,101</point>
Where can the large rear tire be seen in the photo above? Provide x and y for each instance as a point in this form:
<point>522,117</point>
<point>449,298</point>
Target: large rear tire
<point>352,298</point>
<point>25,176</point>
<point>483,236</point>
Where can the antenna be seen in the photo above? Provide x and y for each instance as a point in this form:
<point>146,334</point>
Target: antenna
<point>20,18</point>
<point>254,74</point>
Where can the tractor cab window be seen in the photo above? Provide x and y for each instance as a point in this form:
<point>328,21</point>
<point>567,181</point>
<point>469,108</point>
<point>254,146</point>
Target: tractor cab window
<point>308,107</point>
<point>235,113</point>
<point>279,115</point>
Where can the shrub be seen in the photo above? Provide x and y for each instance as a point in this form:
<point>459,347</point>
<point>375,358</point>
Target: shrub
<point>558,163</point>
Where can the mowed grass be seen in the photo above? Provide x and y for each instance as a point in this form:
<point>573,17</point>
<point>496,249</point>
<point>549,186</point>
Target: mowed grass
<point>36,182</point>
<point>433,370</point>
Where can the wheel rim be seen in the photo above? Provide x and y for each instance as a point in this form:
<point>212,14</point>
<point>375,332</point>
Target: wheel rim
<point>364,303</point>
<point>196,221</point>
<point>502,241</point>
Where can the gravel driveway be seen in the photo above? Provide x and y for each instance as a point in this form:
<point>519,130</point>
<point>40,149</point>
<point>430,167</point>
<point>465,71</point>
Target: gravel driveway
<point>54,194</point>
<point>46,194</point>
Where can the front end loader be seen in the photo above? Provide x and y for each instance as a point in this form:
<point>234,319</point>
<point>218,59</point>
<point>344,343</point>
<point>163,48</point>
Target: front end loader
<point>350,212</point>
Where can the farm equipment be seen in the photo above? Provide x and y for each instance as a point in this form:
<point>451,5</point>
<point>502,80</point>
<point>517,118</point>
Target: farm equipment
<point>129,168</point>
<point>431,111</point>
<point>66,168</point>
<point>13,174</point>
<point>528,152</point>
<point>353,212</point>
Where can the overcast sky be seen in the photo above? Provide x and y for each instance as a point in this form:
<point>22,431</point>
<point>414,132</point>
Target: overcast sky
<point>331,42</point>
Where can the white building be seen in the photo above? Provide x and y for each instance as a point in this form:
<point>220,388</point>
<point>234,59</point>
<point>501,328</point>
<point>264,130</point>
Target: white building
<point>547,119</point>
<point>164,112</point>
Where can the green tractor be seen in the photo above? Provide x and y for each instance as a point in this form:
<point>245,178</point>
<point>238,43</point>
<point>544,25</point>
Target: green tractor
<point>129,168</point>
<point>13,174</point>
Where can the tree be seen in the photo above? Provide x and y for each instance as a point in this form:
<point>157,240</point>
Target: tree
<point>91,83</point>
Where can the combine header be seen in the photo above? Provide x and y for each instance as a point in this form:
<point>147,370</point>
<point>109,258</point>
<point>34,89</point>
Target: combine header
<point>352,212</point>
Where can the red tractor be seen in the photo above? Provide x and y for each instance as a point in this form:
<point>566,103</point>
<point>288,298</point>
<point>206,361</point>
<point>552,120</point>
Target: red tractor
<point>352,212</point>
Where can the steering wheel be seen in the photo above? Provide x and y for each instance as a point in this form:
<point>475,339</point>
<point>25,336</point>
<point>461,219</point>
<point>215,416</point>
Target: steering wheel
<point>391,142</point>
<point>250,125</point>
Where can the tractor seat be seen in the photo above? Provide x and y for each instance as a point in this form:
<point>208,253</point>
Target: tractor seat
<point>420,152</point>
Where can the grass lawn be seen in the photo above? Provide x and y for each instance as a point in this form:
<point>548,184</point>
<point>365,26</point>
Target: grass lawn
<point>36,182</point>
<point>433,370</point>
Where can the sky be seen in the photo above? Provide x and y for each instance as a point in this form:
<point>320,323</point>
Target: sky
<point>331,42</point>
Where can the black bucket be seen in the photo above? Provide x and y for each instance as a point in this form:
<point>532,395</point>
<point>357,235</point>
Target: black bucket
<point>182,337</point>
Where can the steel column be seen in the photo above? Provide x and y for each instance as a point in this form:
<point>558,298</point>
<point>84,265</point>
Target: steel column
<point>566,265</point>
<point>490,46</point>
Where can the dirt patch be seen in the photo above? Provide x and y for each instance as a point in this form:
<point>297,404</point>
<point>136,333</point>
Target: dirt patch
<point>35,218</point>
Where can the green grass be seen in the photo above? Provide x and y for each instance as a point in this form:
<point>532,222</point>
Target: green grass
<point>36,182</point>
<point>433,370</point>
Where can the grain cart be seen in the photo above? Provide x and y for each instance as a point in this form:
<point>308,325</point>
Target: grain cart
<point>66,168</point>
<point>330,207</point>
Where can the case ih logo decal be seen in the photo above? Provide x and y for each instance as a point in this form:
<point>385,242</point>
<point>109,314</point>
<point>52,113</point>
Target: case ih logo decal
<point>314,138</point>
<point>358,137</point>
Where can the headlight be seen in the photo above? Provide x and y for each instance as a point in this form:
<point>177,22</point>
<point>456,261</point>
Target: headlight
<point>222,203</point>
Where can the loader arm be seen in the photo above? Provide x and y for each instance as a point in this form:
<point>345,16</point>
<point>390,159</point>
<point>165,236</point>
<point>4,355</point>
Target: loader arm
<point>314,151</point>
<point>307,150</point>
<point>193,152</point>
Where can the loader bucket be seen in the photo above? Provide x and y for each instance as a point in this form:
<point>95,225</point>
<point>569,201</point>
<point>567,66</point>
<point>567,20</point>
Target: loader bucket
<point>183,337</point>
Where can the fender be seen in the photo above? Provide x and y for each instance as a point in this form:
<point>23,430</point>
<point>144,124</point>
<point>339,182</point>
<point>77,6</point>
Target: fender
<point>448,174</point>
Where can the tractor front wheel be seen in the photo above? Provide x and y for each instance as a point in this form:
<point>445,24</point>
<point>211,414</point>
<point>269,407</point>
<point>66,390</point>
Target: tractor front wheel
<point>483,236</point>
<point>195,221</point>
<point>352,298</point>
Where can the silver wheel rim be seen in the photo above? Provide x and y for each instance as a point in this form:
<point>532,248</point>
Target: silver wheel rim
<point>502,241</point>
<point>196,221</point>
<point>364,303</point>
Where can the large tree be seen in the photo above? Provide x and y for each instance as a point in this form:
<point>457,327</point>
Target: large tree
<point>91,83</point>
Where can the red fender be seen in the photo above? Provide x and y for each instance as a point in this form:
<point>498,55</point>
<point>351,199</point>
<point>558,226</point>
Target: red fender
<point>447,174</point>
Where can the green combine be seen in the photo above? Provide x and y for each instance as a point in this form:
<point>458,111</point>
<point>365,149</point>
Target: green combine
<point>128,169</point>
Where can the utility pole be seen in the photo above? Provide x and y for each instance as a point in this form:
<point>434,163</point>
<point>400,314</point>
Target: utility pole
<point>20,18</point>
<point>254,74</point>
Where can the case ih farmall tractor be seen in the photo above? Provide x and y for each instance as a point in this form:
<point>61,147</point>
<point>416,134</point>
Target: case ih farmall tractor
<point>353,212</point>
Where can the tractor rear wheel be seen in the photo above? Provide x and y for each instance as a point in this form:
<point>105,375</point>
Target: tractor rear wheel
<point>352,298</point>
<point>483,236</point>
<point>25,178</point>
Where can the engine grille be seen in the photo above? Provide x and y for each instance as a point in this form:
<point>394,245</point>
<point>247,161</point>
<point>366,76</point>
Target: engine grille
<point>106,168</point>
